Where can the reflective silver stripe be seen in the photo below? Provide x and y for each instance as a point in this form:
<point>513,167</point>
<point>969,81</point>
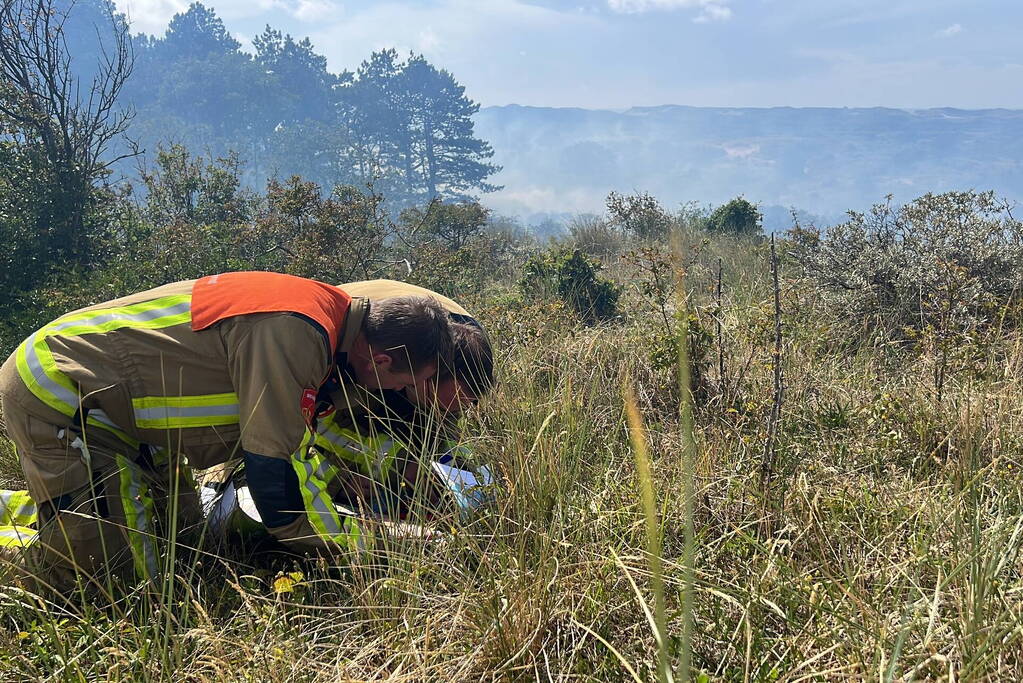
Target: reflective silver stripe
<point>377,455</point>
<point>177,412</point>
<point>17,509</point>
<point>342,441</point>
<point>35,367</point>
<point>16,505</point>
<point>325,472</point>
<point>327,516</point>
<point>102,418</point>
<point>100,318</point>
<point>71,400</point>
<point>141,520</point>
<point>63,398</point>
<point>10,535</point>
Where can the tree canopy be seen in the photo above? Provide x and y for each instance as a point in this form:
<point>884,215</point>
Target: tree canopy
<point>398,124</point>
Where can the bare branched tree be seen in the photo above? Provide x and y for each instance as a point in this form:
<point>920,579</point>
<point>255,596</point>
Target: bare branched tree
<point>45,101</point>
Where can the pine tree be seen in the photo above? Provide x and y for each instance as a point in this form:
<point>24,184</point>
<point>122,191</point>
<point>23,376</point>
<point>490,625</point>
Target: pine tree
<point>414,126</point>
<point>374,119</point>
<point>197,34</point>
<point>195,86</point>
<point>450,161</point>
<point>304,87</point>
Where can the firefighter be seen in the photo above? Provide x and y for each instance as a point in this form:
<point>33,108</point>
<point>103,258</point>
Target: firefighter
<point>458,384</point>
<point>373,457</point>
<point>386,443</point>
<point>109,406</point>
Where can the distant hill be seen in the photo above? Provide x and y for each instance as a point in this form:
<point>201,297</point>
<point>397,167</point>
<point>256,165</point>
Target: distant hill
<point>820,160</point>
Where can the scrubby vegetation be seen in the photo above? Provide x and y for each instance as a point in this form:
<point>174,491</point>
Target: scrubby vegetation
<point>721,458</point>
<point>881,542</point>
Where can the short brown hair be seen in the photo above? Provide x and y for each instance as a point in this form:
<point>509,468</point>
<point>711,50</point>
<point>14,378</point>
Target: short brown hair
<point>413,330</point>
<point>472,359</point>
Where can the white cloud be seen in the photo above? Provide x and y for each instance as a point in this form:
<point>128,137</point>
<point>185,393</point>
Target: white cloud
<point>711,10</point>
<point>949,31</point>
<point>741,151</point>
<point>312,10</point>
<point>714,13</point>
<point>151,16</point>
<point>429,41</point>
<point>462,35</point>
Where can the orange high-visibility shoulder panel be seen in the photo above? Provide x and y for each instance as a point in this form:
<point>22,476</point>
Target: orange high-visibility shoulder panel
<point>222,296</point>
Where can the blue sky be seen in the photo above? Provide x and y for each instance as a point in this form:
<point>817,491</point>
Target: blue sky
<point>620,53</point>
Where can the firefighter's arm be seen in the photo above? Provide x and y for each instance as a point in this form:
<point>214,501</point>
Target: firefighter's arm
<point>274,359</point>
<point>375,470</point>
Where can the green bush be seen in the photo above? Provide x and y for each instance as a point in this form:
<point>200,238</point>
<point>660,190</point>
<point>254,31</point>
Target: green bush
<point>452,225</point>
<point>639,215</point>
<point>595,236</point>
<point>948,262</point>
<point>567,274</point>
<point>737,217</point>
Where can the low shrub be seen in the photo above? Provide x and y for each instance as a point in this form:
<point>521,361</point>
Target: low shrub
<point>948,262</point>
<point>737,217</point>
<point>567,274</point>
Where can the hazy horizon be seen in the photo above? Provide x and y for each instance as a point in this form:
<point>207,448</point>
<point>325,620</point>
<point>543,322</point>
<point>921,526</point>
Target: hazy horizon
<point>824,161</point>
<point>790,104</point>
<point>616,54</point>
<point>682,105</point>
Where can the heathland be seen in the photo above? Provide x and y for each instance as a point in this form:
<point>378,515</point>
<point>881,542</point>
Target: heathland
<point>721,456</point>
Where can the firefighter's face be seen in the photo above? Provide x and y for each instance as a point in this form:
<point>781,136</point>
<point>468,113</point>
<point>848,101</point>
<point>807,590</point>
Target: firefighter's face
<point>449,395</point>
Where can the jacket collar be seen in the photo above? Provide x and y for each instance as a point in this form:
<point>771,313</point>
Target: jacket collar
<point>353,323</point>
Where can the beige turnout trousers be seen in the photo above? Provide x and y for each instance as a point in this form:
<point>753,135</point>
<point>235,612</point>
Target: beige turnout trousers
<point>117,527</point>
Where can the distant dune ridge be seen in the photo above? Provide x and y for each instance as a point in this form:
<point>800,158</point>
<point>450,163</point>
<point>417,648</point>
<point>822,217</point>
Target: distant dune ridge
<point>820,160</point>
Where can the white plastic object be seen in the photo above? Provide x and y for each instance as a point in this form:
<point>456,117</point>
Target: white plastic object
<point>470,489</point>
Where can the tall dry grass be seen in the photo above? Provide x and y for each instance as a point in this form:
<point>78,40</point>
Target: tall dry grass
<point>892,552</point>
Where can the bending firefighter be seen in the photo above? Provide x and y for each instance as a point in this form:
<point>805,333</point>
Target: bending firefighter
<point>403,449</point>
<point>110,406</point>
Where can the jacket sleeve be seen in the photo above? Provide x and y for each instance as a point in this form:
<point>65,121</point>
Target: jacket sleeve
<point>273,359</point>
<point>382,471</point>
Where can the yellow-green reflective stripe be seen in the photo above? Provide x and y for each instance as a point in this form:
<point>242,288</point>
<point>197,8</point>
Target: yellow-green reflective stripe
<point>169,412</point>
<point>17,508</point>
<point>372,453</point>
<point>230,398</point>
<point>318,504</point>
<point>346,444</point>
<point>98,418</point>
<point>17,536</point>
<point>138,513</point>
<point>314,473</point>
<point>77,330</point>
<point>39,371</point>
<point>154,314</point>
<point>181,421</point>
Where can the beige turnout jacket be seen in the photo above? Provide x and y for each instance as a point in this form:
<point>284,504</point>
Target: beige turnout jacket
<point>135,372</point>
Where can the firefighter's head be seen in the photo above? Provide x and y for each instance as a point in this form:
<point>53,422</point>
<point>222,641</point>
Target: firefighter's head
<point>404,341</point>
<point>465,379</point>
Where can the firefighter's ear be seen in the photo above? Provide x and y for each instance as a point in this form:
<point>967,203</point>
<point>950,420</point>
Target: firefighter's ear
<point>382,362</point>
